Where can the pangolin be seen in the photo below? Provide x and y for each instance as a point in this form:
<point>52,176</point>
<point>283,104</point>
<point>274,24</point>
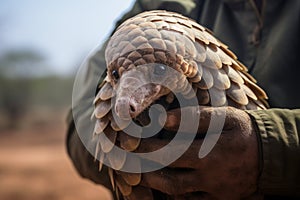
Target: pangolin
<point>147,44</point>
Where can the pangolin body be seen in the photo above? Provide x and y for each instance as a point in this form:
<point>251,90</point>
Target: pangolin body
<point>206,68</point>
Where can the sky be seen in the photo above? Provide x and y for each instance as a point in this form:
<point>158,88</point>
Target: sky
<point>63,31</point>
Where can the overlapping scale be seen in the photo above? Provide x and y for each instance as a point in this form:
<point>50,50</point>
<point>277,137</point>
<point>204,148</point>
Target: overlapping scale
<point>128,142</point>
<point>132,179</point>
<point>124,187</point>
<point>217,97</point>
<point>101,124</point>
<point>107,139</point>
<point>102,108</point>
<point>116,158</point>
<point>237,94</point>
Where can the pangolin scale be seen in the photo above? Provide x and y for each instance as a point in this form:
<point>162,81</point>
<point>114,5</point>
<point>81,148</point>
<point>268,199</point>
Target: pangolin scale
<point>176,41</point>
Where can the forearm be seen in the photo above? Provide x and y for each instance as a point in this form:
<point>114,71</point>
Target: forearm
<point>279,131</point>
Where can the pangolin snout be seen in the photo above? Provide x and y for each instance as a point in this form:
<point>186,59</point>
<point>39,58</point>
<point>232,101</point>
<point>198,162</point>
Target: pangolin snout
<point>135,92</point>
<point>126,108</point>
<point>131,104</point>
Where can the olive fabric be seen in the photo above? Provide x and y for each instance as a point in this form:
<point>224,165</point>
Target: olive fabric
<point>264,34</point>
<point>279,149</point>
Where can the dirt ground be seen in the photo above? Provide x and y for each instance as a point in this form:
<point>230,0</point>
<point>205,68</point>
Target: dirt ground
<point>34,164</point>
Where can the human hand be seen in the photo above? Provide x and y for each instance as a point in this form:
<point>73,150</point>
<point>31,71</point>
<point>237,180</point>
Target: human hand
<point>229,171</point>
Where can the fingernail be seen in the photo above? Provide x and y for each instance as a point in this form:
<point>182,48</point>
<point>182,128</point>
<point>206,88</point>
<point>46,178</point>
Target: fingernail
<point>171,121</point>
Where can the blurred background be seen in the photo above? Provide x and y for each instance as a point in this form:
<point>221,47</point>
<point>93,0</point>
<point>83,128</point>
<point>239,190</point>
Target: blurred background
<point>42,44</point>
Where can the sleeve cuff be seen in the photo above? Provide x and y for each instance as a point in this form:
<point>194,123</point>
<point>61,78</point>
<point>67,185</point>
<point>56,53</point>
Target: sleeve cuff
<point>278,150</point>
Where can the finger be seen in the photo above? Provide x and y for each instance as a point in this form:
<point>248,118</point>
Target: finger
<point>185,118</point>
<point>188,158</point>
<point>171,181</point>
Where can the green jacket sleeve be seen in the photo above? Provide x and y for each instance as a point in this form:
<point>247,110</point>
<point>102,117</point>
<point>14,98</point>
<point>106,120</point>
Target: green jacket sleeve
<point>279,131</point>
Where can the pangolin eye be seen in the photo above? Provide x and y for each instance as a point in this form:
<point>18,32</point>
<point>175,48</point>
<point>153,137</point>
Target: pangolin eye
<point>115,74</point>
<point>160,69</point>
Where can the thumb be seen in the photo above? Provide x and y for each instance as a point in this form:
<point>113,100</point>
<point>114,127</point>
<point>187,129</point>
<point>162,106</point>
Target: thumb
<point>188,117</point>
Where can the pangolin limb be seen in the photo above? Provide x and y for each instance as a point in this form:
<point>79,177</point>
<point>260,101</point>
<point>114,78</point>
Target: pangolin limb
<point>207,69</point>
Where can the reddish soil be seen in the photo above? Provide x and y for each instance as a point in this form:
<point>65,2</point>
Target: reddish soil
<point>34,165</point>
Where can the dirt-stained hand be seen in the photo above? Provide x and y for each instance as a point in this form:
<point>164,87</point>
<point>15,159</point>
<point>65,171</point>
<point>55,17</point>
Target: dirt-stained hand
<point>229,171</point>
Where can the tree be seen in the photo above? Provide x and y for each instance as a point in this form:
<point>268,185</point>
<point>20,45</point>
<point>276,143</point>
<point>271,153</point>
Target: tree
<point>16,67</point>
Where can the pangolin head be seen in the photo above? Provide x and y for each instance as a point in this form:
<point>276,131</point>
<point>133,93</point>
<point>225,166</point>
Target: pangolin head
<point>141,69</point>
<point>138,86</point>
